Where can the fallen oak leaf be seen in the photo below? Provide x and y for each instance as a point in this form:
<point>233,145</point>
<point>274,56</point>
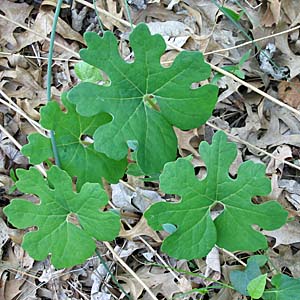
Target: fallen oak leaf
<point>141,228</point>
<point>67,221</point>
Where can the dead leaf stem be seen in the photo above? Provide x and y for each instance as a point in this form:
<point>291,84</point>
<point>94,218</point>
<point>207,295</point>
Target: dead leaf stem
<point>129,270</point>
<point>254,147</point>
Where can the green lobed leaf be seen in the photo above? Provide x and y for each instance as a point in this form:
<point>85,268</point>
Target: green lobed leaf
<point>144,99</point>
<point>77,157</point>
<point>231,13</point>
<point>197,232</point>
<point>260,259</point>
<point>285,288</point>
<point>256,286</point>
<point>67,243</point>
<point>241,279</point>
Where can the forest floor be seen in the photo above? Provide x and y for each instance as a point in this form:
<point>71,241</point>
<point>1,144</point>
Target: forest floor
<point>266,129</point>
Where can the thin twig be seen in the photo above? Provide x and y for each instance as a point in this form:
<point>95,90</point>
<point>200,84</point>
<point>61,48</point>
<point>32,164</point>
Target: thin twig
<point>16,108</point>
<point>129,270</point>
<point>75,54</point>
<point>233,256</point>
<point>39,57</point>
<point>106,13</point>
<point>255,89</point>
<point>254,147</point>
<point>49,76</point>
<point>253,41</point>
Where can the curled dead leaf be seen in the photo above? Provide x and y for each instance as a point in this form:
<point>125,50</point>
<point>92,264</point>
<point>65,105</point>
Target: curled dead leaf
<point>141,228</point>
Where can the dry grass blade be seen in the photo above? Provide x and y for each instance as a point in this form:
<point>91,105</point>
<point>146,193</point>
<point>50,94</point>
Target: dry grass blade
<point>6,54</point>
<point>106,13</point>
<point>129,270</point>
<point>254,147</point>
<point>19,111</point>
<point>40,35</point>
<point>19,146</point>
<point>256,90</point>
<point>254,41</point>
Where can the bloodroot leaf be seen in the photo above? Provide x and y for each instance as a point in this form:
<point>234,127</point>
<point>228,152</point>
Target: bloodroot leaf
<point>197,232</point>
<point>144,99</point>
<point>77,156</point>
<point>67,221</point>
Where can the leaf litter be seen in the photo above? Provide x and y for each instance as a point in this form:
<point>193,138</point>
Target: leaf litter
<point>250,117</point>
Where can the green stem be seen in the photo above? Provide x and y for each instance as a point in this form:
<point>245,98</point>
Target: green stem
<point>111,274</point>
<point>98,16</point>
<point>243,31</point>
<point>49,77</point>
<point>128,14</point>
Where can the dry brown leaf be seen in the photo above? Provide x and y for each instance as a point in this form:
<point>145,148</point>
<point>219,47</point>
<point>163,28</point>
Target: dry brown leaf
<point>112,7</point>
<point>288,57</point>
<point>285,259</point>
<point>13,285</point>
<point>230,86</point>
<point>291,9</point>
<point>141,228</point>
<point>286,235</point>
<point>129,247</point>
<point>23,83</point>
<point>174,32</point>
<point>136,201</point>
<point>157,279</point>
<point>289,92</point>
<point>276,190</point>
<point>53,3</point>
<point>19,12</point>
<point>3,235</point>
<point>283,128</point>
<point>43,26</point>
<point>291,191</point>
<point>213,266</point>
<point>184,141</point>
<point>12,288</point>
<point>154,12</point>
<point>272,14</point>
<point>283,152</point>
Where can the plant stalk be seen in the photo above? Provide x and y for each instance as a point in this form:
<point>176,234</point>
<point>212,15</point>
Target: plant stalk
<point>49,75</point>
